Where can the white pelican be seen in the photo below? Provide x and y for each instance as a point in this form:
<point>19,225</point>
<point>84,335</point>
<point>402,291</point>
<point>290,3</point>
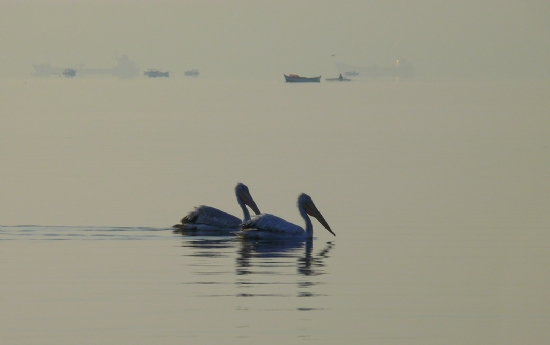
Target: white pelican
<point>206,218</point>
<point>269,227</point>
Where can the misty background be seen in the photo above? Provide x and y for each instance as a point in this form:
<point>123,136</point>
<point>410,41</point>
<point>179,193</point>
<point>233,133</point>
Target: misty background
<point>262,40</point>
<point>437,187</point>
<point>466,140</point>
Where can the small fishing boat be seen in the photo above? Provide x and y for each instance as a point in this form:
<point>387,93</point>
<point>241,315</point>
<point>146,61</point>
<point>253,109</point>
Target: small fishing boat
<point>191,73</point>
<point>155,73</point>
<point>294,78</point>
<point>340,78</point>
<point>69,73</point>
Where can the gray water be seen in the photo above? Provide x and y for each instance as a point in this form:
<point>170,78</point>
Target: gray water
<point>438,194</point>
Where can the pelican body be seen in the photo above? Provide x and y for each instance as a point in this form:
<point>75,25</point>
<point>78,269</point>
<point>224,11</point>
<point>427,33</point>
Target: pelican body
<point>210,219</point>
<point>270,227</point>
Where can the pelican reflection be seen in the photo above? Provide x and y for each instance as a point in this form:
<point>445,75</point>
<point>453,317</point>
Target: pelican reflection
<point>257,269</point>
<point>212,247</point>
<point>272,254</point>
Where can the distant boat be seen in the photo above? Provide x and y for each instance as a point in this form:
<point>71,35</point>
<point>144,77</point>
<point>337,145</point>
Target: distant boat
<point>340,78</point>
<point>125,69</point>
<point>69,73</point>
<point>293,78</point>
<point>191,73</point>
<point>155,73</point>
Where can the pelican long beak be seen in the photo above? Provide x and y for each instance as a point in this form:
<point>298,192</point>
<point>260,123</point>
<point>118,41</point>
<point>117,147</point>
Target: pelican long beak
<point>314,212</point>
<point>247,199</point>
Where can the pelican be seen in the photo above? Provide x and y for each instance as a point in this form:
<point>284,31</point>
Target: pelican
<point>269,227</point>
<point>206,218</point>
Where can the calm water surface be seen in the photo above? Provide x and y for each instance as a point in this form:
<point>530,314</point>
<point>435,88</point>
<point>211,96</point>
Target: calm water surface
<point>438,194</point>
<point>89,285</point>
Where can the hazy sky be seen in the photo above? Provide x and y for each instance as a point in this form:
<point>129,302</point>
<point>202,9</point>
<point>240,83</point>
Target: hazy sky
<point>263,39</point>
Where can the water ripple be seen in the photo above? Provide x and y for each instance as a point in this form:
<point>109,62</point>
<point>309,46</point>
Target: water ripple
<point>37,232</point>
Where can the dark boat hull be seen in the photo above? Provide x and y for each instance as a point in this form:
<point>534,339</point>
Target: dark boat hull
<point>290,79</point>
<point>155,73</point>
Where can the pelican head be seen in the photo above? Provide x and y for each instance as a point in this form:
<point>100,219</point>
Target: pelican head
<point>241,190</point>
<point>305,201</point>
